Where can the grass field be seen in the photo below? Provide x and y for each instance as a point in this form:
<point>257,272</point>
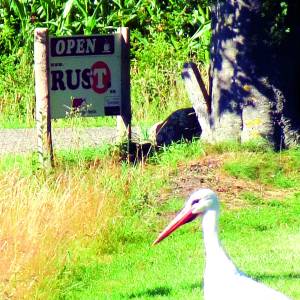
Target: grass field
<point>84,230</point>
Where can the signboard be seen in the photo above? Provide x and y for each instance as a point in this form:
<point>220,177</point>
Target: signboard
<point>85,75</point>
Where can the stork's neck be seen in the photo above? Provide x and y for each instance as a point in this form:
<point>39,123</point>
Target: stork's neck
<point>210,231</point>
<point>214,251</point>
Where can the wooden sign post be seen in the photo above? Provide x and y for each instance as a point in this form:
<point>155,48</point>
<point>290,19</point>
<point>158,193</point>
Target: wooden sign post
<point>80,75</point>
<point>124,120</point>
<point>43,117</point>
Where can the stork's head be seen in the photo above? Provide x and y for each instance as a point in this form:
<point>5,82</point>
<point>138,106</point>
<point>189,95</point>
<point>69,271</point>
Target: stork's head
<point>197,205</point>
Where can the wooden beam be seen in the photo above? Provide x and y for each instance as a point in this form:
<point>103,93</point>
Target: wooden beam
<point>43,117</point>
<point>124,120</point>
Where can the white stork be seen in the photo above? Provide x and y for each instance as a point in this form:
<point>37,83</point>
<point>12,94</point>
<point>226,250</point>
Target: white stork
<point>222,279</point>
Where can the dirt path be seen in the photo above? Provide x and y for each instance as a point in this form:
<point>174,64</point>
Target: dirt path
<point>25,140</point>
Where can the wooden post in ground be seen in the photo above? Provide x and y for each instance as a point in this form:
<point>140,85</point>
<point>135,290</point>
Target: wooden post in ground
<point>124,120</point>
<point>43,117</point>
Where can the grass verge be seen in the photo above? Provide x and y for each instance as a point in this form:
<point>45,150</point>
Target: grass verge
<point>84,230</point>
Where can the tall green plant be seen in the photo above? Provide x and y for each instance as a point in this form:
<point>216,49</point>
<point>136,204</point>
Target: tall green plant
<point>164,34</point>
<point>178,19</point>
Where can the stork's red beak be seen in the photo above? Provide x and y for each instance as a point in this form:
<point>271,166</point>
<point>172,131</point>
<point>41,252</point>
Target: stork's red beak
<point>182,218</point>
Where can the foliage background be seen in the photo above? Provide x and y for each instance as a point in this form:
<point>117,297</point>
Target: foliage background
<point>164,34</point>
<point>84,229</point>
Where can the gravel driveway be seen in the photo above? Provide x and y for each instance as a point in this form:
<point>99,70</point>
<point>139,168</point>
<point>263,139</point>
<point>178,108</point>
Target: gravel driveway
<point>25,140</point>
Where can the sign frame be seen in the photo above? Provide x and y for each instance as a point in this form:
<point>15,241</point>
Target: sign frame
<point>43,101</point>
<point>85,75</point>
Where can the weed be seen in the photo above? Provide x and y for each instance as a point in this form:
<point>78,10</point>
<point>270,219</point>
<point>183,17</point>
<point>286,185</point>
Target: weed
<point>269,168</point>
<point>252,198</point>
<point>171,155</point>
<point>16,93</point>
<point>43,216</point>
<point>256,146</point>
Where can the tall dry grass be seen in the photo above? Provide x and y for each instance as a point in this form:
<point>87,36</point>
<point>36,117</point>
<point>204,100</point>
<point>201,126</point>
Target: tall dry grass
<point>40,217</point>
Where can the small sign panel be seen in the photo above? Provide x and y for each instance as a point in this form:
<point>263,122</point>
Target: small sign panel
<point>85,75</point>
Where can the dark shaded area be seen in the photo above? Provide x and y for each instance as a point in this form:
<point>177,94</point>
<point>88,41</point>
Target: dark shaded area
<point>158,291</point>
<point>261,277</point>
<point>138,151</point>
<point>288,57</point>
<point>197,285</point>
<point>181,125</point>
<point>163,291</point>
<point>270,50</point>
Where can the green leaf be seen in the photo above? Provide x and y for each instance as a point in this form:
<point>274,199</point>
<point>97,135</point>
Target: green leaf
<point>81,7</point>
<point>19,9</point>
<point>68,7</point>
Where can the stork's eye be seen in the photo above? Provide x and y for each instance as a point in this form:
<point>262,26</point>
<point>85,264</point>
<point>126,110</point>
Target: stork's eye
<point>195,201</point>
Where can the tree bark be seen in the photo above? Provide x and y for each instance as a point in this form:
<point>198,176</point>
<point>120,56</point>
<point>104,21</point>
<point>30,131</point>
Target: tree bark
<point>248,98</point>
<point>288,74</point>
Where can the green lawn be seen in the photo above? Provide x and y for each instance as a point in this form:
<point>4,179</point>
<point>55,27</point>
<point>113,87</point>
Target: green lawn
<point>264,241</point>
<point>87,226</point>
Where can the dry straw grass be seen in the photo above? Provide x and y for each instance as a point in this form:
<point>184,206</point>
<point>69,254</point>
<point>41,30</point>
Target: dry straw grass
<point>41,217</point>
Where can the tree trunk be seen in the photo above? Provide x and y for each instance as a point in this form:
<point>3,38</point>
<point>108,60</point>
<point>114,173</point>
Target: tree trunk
<point>248,99</point>
<point>289,73</point>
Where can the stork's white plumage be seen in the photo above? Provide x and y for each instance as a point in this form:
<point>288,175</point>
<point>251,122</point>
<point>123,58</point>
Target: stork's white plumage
<point>222,279</point>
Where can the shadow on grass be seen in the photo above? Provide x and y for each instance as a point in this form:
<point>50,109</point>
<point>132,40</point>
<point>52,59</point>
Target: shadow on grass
<point>196,285</point>
<point>161,291</point>
<point>166,291</point>
<point>158,291</point>
<point>263,276</point>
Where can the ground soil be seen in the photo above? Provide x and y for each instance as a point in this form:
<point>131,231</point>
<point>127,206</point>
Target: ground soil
<point>208,172</point>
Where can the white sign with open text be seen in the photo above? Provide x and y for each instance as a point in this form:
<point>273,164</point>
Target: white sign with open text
<point>85,75</point>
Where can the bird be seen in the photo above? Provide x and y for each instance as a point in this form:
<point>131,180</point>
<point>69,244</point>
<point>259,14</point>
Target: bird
<point>222,279</point>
